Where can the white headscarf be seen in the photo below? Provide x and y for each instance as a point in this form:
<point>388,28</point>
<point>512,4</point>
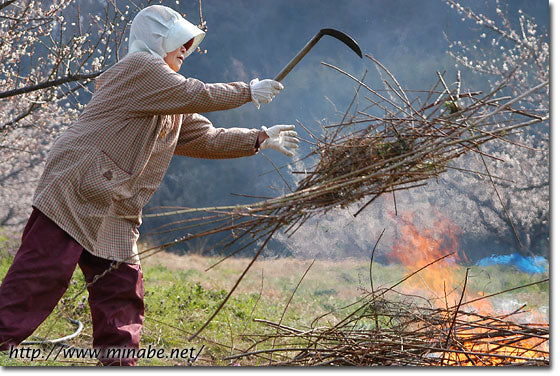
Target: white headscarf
<point>158,30</point>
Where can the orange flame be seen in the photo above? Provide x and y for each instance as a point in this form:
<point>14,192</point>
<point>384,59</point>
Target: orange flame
<point>414,248</point>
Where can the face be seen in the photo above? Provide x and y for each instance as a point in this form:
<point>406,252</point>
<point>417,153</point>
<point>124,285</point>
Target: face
<point>175,58</point>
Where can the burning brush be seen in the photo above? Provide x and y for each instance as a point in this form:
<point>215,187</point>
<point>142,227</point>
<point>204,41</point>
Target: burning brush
<point>392,333</point>
<point>388,327</point>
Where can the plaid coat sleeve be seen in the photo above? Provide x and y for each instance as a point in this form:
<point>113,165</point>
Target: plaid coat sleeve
<point>164,92</point>
<point>199,139</point>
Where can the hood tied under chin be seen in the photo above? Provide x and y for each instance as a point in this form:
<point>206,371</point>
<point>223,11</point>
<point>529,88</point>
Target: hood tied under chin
<point>158,29</point>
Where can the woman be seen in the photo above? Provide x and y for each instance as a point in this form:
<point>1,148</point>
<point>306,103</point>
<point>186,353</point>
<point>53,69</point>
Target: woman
<point>105,168</point>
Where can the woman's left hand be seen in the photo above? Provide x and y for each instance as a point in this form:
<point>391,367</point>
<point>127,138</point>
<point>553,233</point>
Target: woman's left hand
<point>282,138</point>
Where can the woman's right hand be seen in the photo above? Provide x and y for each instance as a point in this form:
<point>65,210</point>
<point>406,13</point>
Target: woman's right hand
<point>264,91</point>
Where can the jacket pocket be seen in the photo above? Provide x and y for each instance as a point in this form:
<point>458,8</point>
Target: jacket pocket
<point>167,124</point>
<point>104,180</point>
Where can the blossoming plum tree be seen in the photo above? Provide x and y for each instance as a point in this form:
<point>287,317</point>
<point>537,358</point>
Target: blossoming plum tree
<point>516,212</point>
<point>49,55</point>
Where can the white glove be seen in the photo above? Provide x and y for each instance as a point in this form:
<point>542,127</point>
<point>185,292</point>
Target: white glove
<point>263,91</point>
<point>281,138</point>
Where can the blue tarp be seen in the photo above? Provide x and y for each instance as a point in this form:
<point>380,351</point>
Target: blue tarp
<point>525,264</point>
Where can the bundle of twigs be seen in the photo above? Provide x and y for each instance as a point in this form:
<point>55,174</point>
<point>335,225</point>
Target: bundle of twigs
<point>393,143</point>
<point>390,144</point>
<point>399,332</point>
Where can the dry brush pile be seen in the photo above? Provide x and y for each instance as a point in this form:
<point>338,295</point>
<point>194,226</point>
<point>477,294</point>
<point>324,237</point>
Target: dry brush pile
<point>388,327</point>
<point>389,332</point>
<point>412,336</point>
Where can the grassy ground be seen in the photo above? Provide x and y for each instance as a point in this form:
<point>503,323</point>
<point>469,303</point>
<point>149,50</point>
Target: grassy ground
<point>180,295</point>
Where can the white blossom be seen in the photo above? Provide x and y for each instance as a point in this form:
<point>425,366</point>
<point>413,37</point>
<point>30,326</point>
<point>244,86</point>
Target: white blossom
<point>43,113</point>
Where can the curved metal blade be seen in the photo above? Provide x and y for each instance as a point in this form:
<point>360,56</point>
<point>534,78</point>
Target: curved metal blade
<point>333,33</point>
<point>344,38</point>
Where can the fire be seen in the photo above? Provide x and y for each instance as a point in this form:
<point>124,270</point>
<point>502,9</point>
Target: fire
<point>414,248</point>
<point>496,350</point>
<point>446,285</point>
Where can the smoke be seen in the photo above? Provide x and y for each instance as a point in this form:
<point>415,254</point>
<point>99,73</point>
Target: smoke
<point>340,234</point>
<point>238,70</point>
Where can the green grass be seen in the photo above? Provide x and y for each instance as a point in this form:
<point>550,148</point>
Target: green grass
<point>180,295</point>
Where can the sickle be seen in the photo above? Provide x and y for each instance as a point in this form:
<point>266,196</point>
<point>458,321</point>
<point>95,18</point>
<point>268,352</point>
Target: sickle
<point>344,38</point>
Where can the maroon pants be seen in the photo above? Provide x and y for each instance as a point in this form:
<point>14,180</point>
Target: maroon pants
<point>40,274</point>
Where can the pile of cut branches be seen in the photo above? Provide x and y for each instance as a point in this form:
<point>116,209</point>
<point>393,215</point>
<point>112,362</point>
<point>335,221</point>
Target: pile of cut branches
<point>390,328</point>
<point>389,333</point>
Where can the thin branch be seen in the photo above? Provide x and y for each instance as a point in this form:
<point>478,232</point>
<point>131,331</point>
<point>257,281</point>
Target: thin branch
<point>48,84</point>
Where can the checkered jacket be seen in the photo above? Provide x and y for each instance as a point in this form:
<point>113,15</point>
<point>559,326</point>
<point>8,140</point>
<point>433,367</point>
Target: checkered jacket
<point>104,169</point>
